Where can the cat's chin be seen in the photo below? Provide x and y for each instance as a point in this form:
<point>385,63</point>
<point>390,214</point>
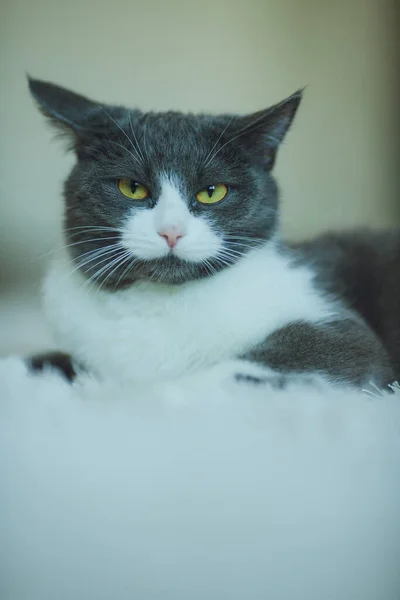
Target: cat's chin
<point>169,270</point>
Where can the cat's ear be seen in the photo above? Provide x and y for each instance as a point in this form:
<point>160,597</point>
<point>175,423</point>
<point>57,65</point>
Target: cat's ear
<point>264,131</point>
<point>65,109</point>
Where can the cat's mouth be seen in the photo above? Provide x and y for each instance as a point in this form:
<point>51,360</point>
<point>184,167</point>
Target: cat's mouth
<point>167,270</point>
<point>172,270</point>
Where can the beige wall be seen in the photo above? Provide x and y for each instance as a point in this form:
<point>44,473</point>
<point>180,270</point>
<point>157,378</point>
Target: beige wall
<point>240,55</point>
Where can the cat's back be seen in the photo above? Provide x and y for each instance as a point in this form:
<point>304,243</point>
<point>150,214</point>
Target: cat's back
<point>363,268</point>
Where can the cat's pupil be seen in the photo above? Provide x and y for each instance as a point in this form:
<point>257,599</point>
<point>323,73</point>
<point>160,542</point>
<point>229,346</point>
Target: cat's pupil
<point>210,190</point>
<point>134,186</point>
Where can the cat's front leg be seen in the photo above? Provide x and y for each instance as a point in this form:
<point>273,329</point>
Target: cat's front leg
<point>342,351</point>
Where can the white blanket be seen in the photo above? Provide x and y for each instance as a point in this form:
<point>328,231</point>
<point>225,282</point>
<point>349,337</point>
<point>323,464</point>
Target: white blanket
<point>196,492</point>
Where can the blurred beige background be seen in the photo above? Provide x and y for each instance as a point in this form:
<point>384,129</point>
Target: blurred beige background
<point>337,169</point>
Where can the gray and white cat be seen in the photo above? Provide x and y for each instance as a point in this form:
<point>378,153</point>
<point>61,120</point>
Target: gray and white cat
<point>174,262</point>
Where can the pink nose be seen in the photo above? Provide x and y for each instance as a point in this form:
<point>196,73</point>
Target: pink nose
<point>171,237</point>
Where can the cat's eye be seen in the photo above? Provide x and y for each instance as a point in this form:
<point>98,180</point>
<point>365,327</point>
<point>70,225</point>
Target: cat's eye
<point>132,189</point>
<point>212,194</point>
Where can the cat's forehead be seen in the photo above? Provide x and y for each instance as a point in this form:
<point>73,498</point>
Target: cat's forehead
<point>175,123</point>
<point>164,142</point>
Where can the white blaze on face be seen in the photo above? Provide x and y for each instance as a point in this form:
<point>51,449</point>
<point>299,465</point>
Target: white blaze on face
<point>169,227</point>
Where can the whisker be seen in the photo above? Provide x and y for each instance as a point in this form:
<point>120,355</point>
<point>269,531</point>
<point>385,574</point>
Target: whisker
<point>209,267</point>
<point>241,246</point>
<point>207,160</point>
<point>231,257</point>
<point>93,227</point>
<point>231,236</point>
<point>135,138</point>
<point>155,276</point>
<point>226,256</point>
<point>220,260</point>
<point>94,251</point>
<point>99,271</point>
<point>226,248</point>
<point>73,244</point>
<point>92,279</point>
<point>135,157</point>
<point>247,129</point>
<point>244,243</point>
<point>126,270</point>
<point>235,240</point>
<point>205,265</point>
<point>244,249</point>
<point>114,237</point>
<point>155,273</point>
<point>98,254</point>
<point>104,269</point>
<point>123,131</point>
<point>117,264</point>
<point>144,137</point>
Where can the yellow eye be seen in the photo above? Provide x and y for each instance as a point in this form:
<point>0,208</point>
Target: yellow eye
<point>212,194</point>
<point>132,189</point>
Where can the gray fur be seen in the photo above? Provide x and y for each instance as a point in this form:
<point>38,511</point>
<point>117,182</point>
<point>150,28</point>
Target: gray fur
<point>344,351</point>
<point>362,270</point>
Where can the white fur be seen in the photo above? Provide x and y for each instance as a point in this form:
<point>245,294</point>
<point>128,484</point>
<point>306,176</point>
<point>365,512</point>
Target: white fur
<point>150,331</point>
<point>189,491</point>
<point>142,233</point>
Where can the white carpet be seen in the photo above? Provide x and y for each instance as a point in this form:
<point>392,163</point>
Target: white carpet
<point>190,492</point>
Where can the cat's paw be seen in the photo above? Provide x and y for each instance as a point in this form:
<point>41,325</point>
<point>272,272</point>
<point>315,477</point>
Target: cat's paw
<point>277,381</point>
<point>244,372</point>
<point>58,361</point>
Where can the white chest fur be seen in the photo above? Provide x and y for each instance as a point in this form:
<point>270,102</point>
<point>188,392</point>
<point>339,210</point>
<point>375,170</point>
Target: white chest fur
<point>152,332</point>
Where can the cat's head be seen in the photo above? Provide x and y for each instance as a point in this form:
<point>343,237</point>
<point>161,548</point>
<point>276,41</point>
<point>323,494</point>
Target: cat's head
<point>166,197</point>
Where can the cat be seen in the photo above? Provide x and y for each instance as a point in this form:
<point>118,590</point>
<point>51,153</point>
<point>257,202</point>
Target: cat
<point>174,262</point>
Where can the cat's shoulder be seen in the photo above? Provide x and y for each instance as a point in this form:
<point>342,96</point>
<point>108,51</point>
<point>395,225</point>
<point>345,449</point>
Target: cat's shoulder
<point>354,245</point>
